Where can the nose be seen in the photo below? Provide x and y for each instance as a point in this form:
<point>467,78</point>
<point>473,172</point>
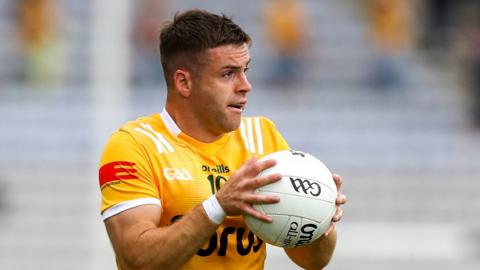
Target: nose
<point>243,84</point>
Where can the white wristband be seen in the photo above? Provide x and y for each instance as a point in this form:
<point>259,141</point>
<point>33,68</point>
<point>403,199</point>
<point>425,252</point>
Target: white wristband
<point>214,210</point>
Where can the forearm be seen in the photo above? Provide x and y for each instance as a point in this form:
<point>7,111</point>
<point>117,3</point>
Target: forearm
<point>316,255</point>
<point>168,247</point>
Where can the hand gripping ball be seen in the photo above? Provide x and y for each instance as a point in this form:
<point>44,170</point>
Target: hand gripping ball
<point>307,200</point>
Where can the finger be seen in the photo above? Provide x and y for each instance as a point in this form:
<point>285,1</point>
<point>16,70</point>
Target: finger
<point>258,166</point>
<point>263,180</point>
<point>256,214</point>
<point>341,199</point>
<point>247,166</point>
<point>338,215</point>
<point>338,181</point>
<point>261,199</point>
<point>330,229</point>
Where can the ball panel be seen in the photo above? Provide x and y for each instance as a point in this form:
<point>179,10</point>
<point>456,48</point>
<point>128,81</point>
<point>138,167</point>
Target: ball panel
<point>313,209</point>
<point>254,224</point>
<point>300,186</point>
<point>289,235</point>
<point>269,232</point>
<point>322,174</point>
<point>287,164</point>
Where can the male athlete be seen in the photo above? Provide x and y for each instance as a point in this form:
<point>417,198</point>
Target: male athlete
<point>176,184</point>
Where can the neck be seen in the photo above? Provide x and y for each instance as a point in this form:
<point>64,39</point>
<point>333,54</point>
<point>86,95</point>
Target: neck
<point>189,124</point>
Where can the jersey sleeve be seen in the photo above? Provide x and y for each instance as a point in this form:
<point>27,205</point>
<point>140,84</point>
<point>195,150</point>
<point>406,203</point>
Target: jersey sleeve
<point>125,176</point>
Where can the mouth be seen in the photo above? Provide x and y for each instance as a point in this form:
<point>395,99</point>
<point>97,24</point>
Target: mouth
<point>240,106</point>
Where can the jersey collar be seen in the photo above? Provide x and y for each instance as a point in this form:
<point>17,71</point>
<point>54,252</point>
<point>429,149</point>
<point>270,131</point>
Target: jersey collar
<point>169,123</point>
<point>210,148</point>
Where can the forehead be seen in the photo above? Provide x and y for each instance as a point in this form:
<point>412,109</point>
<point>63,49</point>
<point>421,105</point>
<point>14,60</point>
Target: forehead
<point>232,54</point>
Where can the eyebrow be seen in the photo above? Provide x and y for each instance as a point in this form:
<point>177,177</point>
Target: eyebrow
<point>237,67</point>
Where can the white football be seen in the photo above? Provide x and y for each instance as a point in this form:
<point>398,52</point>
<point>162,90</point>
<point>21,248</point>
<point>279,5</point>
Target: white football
<point>307,200</point>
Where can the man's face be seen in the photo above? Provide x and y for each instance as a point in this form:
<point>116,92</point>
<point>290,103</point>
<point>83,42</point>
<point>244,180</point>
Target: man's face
<point>220,87</point>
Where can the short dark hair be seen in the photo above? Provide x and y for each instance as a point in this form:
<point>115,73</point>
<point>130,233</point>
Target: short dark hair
<point>192,33</point>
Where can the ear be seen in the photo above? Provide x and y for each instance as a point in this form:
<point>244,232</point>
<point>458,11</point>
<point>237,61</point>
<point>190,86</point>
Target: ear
<point>182,80</point>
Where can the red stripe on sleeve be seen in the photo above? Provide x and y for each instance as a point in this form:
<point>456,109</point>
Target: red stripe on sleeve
<point>117,171</point>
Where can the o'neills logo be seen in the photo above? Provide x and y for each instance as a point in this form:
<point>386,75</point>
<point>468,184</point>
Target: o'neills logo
<point>306,234</point>
<point>217,169</point>
<point>299,235</point>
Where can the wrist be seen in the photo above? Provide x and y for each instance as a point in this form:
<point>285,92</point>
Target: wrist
<point>214,210</point>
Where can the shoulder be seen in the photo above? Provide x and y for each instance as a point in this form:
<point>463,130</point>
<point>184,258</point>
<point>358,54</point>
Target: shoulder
<point>146,129</point>
<point>260,135</point>
<point>260,122</point>
<point>145,132</point>
<point>150,122</point>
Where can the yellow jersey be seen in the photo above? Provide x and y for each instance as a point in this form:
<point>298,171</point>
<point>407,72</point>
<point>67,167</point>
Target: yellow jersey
<point>150,161</point>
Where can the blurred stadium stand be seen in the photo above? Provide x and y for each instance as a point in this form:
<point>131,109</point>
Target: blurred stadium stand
<point>409,158</point>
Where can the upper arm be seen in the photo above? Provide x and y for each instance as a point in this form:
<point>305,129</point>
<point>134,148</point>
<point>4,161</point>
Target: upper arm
<point>125,228</point>
<point>130,194</point>
<point>126,177</point>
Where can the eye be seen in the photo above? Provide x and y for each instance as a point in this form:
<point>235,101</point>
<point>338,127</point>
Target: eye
<point>227,74</point>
